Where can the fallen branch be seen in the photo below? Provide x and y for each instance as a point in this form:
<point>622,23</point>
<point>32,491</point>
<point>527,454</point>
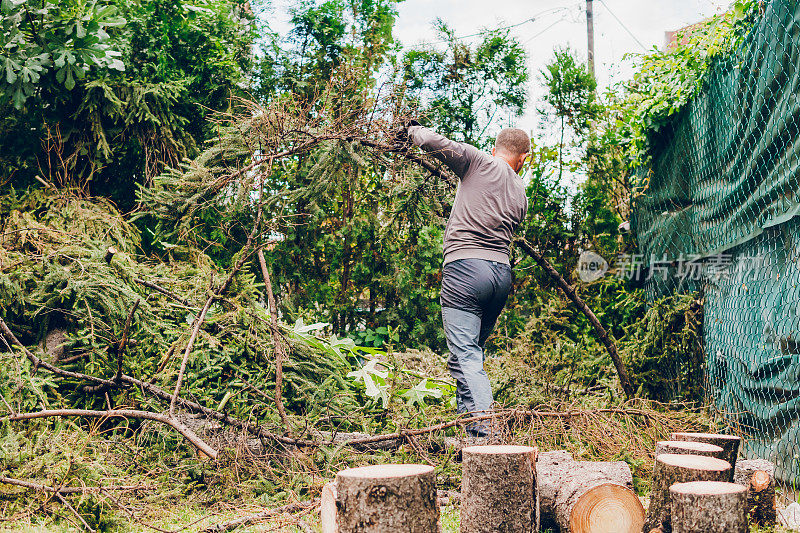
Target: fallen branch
<point>71,490</point>
<point>255,518</point>
<point>361,442</point>
<point>10,339</point>
<point>187,433</point>
<point>604,336</point>
<point>280,347</point>
<point>164,291</point>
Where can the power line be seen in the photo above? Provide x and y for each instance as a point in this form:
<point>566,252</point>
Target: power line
<point>483,32</point>
<point>562,19</point>
<point>624,26</point>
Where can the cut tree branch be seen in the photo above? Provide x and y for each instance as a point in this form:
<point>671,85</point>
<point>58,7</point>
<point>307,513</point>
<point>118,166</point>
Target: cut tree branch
<point>181,428</point>
<point>604,336</point>
<point>280,347</point>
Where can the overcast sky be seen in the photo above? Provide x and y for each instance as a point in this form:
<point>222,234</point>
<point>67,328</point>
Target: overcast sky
<point>641,26</point>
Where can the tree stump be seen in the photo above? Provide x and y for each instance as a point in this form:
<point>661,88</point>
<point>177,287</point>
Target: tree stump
<point>758,476</point>
<point>708,507</point>
<point>678,468</point>
<point>689,448</point>
<point>584,496</point>
<point>729,443</point>
<point>498,489</point>
<point>381,499</point>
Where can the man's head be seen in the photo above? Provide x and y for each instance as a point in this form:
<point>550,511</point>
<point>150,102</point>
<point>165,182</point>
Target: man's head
<point>514,146</point>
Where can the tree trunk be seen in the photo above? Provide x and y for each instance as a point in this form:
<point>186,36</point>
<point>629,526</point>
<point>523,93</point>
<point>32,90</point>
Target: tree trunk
<point>689,448</point>
<point>708,507</point>
<point>676,468</point>
<point>381,499</point>
<point>586,496</point>
<point>498,489</point>
<point>758,476</point>
<point>729,443</point>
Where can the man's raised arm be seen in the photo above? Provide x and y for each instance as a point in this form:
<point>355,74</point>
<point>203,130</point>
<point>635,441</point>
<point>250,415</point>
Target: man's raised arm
<point>457,156</point>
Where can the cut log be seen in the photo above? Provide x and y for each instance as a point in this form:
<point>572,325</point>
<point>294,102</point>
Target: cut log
<point>686,447</point>
<point>592,502</point>
<point>747,467</point>
<point>551,469</point>
<point>729,443</point>
<point>498,489</point>
<point>708,507</point>
<point>679,468</point>
<point>381,498</point>
<point>758,476</point>
<point>586,496</point>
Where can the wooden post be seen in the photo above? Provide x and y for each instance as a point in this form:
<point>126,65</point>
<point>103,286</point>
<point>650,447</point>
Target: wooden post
<point>677,468</point>
<point>758,476</point>
<point>729,443</point>
<point>381,499</point>
<point>498,489</point>
<point>586,496</point>
<point>689,448</point>
<point>708,507</point>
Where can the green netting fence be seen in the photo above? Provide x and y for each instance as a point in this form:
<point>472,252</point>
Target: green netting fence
<point>720,216</point>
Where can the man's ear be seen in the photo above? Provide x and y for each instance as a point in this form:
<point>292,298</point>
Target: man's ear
<point>522,159</point>
<point>494,150</point>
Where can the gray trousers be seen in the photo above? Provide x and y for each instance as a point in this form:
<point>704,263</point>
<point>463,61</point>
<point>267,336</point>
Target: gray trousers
<point>474,292</point>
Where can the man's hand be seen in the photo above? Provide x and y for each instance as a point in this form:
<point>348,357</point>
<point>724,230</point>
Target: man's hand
<point>401,133</point>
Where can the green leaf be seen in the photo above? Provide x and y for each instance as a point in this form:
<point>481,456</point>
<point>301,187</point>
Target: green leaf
<point>421,391</point>
<point>69,81</point>
<point>299,327</point>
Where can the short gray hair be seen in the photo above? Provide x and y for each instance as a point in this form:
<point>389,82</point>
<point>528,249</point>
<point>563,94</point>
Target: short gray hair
<point>513,141</point>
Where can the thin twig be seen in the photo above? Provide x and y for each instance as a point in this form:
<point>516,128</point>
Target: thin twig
<point>71,490</point>
<point>255,518</point>
<point>120,347</point>
<point>164,291</point>
<point>71,508</point>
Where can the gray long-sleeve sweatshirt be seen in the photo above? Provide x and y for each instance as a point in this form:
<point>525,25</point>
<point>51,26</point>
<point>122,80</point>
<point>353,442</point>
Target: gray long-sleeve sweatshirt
<point>490,200</point>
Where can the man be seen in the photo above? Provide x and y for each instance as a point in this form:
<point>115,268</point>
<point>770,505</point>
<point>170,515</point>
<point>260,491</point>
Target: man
<point>490,203</point>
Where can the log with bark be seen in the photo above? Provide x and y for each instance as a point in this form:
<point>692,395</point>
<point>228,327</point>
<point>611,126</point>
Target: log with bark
<point>381,498</point>
<point>758,475</point>
<point>586,496</point>
<point>729,443</point>
<point>689,448</point>
<point>679,468</point>
<point>708,507</point>
<point>498,489</point>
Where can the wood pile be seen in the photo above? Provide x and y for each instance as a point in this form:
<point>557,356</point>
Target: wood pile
<point>698,487</point>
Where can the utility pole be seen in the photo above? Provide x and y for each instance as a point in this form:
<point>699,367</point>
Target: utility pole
<point>590,34</point>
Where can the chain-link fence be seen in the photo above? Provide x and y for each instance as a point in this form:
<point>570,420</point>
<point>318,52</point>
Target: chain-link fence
<point>719,216</point>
